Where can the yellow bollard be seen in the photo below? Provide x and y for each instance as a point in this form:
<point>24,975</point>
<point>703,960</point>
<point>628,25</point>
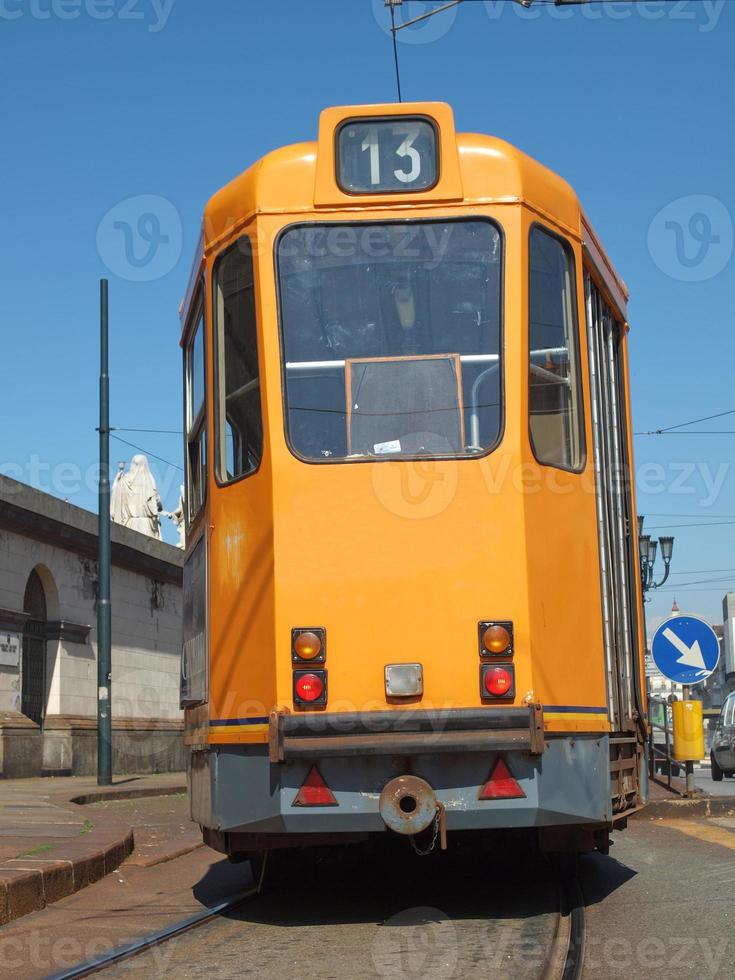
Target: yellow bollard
<point>688,730</point>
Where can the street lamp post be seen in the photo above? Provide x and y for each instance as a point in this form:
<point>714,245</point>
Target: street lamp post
<point>648,548</point>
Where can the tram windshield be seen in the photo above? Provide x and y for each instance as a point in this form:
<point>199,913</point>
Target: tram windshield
<point>391,338</point>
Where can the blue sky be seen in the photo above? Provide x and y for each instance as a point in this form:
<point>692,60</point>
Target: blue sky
<point>105,101</point>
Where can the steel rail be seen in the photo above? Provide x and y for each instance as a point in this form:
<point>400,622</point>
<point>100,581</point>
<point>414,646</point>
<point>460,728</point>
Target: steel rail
<point>129,950</point>
<point>566,958</point>
<point>577,932</point>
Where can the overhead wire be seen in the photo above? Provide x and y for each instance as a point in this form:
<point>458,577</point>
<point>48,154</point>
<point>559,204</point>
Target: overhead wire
<point>680,425</point>
<point>147,452</point>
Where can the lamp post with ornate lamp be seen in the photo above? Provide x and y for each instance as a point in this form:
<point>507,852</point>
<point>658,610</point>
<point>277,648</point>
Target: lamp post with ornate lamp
<point>647,550</point>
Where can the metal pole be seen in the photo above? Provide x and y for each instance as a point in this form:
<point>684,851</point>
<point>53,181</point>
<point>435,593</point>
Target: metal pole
<point>651,745</point>
<point>690,778</point>
<point>647,706</point>
<point>689,764</point>
<point>104,640</point>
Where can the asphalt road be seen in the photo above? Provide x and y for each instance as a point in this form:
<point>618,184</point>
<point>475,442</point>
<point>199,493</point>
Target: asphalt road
<point>659,906</point>
<point>703,780</point>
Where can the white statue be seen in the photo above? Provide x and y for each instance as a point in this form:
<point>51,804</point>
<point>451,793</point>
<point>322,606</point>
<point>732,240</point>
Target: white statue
<point>177,516</point>
<point>135,502</point>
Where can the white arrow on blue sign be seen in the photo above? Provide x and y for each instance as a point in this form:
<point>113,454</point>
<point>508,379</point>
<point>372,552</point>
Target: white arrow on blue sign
<point>685,649</point>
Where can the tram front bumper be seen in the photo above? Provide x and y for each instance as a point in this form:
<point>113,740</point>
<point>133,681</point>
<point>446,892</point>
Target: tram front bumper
<point>565,779</point>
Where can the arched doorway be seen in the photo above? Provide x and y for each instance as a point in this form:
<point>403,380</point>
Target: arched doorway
<point>33,676</point>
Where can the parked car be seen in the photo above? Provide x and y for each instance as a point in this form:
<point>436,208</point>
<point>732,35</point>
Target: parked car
<point>722,756</point>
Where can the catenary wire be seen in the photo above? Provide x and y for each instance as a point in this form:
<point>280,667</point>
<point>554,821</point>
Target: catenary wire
<point>147,453</point>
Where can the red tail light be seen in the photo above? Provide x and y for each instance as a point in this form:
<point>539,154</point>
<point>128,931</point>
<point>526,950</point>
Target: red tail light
<point>501,785</point>
<point>497,681</point>
<point>314,791</point>
<point>310,687</point>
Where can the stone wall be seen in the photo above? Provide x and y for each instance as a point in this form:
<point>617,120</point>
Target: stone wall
<point>58,542</point>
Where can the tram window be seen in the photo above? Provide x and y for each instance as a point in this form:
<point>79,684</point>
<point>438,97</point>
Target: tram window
<point>196,374</point>
<point>239,421</point>
<point>196,449</point>
<point>391,337</point>
<point>555,420</point>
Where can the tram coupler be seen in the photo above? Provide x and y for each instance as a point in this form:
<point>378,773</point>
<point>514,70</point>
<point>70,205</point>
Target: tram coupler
<point>408,805</point>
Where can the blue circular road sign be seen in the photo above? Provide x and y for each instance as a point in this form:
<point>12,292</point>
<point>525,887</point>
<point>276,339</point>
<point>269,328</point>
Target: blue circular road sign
<point>685,649</point>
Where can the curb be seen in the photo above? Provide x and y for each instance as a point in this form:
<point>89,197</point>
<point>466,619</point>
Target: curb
<point>126,793</point>
<point>175,851</point>
<point>28,884</point>
<point>708,806</point>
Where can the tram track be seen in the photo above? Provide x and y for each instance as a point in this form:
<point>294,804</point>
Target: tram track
<point>130,950</point>
<point>564,960</point>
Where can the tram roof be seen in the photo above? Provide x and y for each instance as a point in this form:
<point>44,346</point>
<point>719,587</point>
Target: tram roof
<point>300,179</point>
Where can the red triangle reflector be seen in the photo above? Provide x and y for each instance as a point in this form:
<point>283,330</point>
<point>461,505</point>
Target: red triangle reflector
<point>314,791</point>
<point>501,785</point>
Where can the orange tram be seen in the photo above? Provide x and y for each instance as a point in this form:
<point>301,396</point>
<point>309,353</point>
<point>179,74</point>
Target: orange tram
<point>411,592</point>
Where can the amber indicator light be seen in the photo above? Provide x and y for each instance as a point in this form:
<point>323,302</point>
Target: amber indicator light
<point>496,638</point>
<point>309,645</point>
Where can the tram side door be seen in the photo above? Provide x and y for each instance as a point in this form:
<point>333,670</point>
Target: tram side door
<point>616,521</point>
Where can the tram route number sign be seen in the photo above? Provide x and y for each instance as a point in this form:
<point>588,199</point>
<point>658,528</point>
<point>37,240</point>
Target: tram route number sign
<point>393,155</point>
<point>685,649</point>
<point>10,644</point>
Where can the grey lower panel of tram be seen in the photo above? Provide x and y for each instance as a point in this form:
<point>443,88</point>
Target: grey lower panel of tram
<point>237,788</point>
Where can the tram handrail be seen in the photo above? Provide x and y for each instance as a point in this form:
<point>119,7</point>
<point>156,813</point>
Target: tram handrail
<point>464,358</point>
<point>493,360</point>
<point>666,754</point>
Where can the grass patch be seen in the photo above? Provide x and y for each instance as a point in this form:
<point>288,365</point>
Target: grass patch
<point>41,849</point>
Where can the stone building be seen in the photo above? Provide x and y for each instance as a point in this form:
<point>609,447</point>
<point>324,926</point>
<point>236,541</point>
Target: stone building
<point>48,655</point>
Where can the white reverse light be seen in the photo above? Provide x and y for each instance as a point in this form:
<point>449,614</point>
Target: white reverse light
<point>404,680</point>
